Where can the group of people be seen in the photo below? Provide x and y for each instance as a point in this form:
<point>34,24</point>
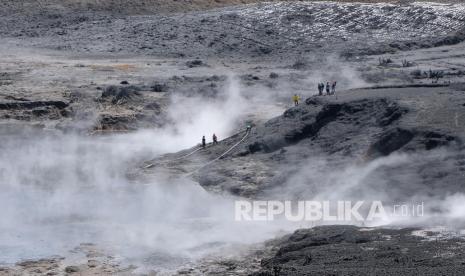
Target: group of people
<point>215,138</point>
<point>330,88</point>
<point>204,141</point>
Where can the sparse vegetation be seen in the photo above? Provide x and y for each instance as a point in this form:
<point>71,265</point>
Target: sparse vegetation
<point>384,61</point>
<point>119,94</point>
<point>159,87</point>
<point>417,74</point>
<point>406,63</point>
<point>435,75</point>
<point>274,75</point>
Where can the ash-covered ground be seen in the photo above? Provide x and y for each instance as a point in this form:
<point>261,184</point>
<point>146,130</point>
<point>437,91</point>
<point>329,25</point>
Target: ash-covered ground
<point>103,105</point>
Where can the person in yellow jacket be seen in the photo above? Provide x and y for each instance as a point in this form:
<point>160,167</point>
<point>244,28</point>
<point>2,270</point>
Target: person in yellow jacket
<point>296,99</point>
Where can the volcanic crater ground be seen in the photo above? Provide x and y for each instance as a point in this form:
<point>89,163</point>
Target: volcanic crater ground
<point>395,127</point>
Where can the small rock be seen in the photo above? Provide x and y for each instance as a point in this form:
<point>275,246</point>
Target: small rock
<point>92,263</point>
<point>265,50</point>
<point>159,87</point>
<point>274,75</point>
<point>71,269</point>
<point>195,63</point>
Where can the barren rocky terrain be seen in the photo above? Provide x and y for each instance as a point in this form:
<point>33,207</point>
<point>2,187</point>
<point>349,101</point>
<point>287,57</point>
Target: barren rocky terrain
<point>103,105</point>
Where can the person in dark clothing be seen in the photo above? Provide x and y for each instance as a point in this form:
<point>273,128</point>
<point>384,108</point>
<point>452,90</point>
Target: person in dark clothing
<point>204,143</point>
<point>320,89</point>
<point>215,139</point>
<point>333,88</point>
<point>327,88</point>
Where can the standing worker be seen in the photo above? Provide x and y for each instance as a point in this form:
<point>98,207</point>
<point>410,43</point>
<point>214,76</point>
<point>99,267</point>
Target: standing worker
<point>327,88</point>
<point>203,142</point>
<point>215,139</point>
<point>296,99</point>
<point>333,88</point>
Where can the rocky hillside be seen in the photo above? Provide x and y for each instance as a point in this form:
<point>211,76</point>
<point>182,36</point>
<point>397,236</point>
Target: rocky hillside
<point>312,149</point>
<point>389,144</point>
<point>143,6</point>
<point>264,29</point>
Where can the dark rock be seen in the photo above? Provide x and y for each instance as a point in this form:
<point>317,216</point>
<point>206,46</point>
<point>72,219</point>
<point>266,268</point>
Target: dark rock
<point>31,105</point>
<point>159,87</point>
<point>314,101</point>
<point>229,16</point>
<point>273,75</point>
<point>195,63</point>
<point>40,112</point>
<point>390,141</point>
<point>397,138</point>
<point>250,77</point>
<point>391,114</point>
<point>299,65</point>
<point>71,269</point>
<point>152,106</point>
<point>116,94</point>
<point>329,113</point>
<point>216,78</point>
<point>432,140</point>
<point>265,50</point>
<point>115,122</point>
<point>337,250</point>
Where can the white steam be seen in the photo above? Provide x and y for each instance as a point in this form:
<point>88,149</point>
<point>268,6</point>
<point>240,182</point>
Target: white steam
<point>331,69</point>
<point>198,116</point>
<point>61,190</point>
<point>393,180</point>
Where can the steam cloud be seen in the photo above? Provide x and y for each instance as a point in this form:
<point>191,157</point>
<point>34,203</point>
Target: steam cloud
<point>393,180</point>
<point>60,190</point>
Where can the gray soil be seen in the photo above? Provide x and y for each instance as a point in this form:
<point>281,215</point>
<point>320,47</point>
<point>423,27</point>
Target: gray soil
<point>264,30</point>
<point>399,110</point>
<point>348,250</point>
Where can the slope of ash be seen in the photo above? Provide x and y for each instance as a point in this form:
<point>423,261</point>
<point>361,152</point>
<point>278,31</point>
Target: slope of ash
<point>416,132</point>
<point>250,30</point>
<point>389,144</point>
<point>349,250</point>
